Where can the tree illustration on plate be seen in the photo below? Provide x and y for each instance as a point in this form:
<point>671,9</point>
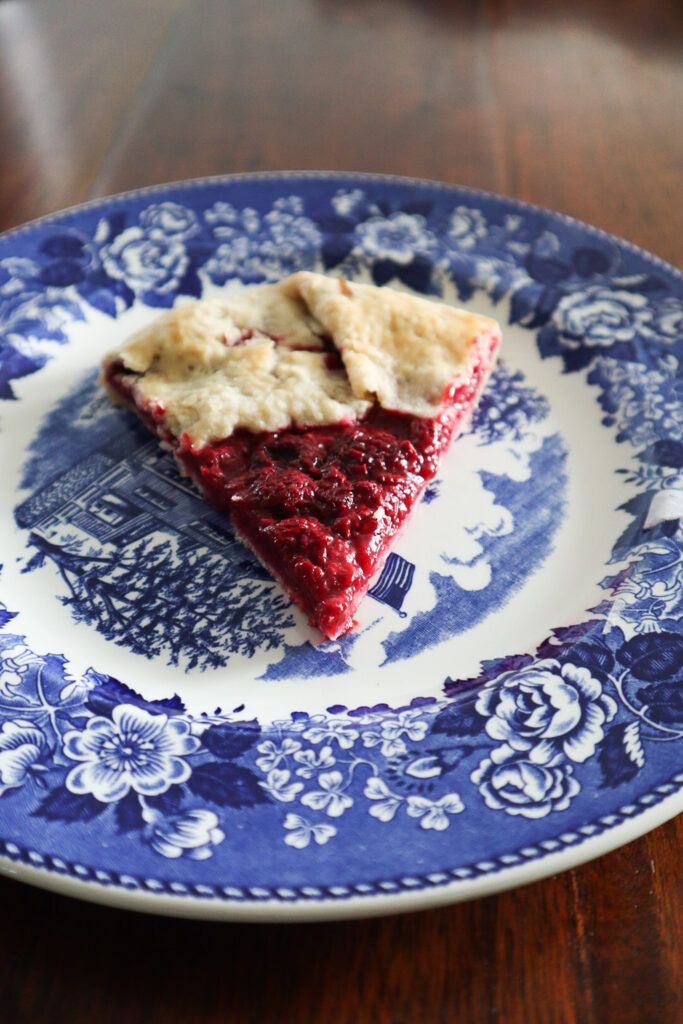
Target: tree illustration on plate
<point>162,595</point>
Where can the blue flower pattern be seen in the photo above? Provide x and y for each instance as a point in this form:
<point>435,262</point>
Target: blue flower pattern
<point>132,749</point>
<point>22,749</point>
<point>525,732</point>
<point>531,731</point>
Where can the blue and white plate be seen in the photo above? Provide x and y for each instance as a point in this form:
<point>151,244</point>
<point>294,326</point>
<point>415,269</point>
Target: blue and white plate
<point>173,737</point>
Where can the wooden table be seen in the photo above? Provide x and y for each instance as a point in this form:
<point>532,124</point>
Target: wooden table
<point>573,106</point>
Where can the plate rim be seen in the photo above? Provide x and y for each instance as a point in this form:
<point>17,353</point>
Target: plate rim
<point>307,908</point>
<point>372,176</point>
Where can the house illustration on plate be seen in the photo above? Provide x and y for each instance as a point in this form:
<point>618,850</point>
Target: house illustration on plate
<point>118,497</point>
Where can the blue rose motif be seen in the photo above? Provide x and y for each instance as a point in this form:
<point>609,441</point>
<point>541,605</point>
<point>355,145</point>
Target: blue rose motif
<point>548,709</point>
<point>466,227</point>
<point>259,249</point>
<point>229,223</point>
<point>238,254</point>
<point>192,833</point>
<point>31,315</point>
<point>145,262</point>
<point>642,404</point>
<point>169,220</point>
<point>15,659</point>
<point>668,320</point>
<point>600,316</point>
<point>133,749</point>
<point>15,273</point>
<point>519,786</point>
<point>644,598</point>
<point>288,229</point>
<point>22,747</point>
<point>240,258</point>
<point>353,203</point>
<point>398,237</point>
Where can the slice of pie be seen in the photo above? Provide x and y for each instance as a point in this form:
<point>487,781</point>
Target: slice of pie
<point>313,412</point>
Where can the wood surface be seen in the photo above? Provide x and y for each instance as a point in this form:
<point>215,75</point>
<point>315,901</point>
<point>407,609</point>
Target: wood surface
<point>574,105</point>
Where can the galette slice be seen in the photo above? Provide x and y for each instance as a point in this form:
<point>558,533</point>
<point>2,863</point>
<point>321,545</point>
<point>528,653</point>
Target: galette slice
<point>313,412</point>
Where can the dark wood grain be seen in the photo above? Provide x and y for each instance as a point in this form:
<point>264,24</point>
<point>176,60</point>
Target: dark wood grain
<point>575,106</point>
<point>70,76</point>
<point>598,944</point>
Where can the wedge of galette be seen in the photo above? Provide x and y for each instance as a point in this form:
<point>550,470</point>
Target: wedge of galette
<point>313,413</point>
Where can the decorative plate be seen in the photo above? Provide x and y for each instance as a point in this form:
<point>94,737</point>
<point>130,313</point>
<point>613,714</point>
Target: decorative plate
<point>174,738</point>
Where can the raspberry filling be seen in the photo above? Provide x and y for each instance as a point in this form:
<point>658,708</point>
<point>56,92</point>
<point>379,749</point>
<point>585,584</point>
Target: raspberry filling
<point>318,505</point>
